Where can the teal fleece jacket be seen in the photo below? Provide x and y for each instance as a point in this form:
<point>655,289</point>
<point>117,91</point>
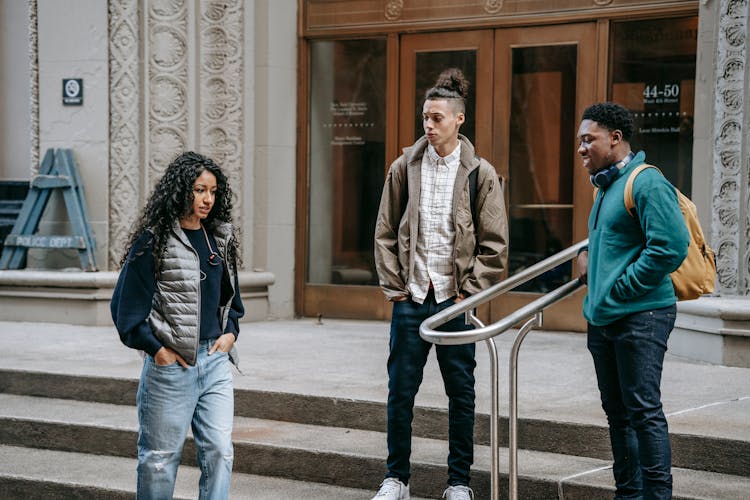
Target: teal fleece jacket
<point>630,258</point>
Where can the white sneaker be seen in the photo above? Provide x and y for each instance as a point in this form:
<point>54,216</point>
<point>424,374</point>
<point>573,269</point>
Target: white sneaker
<point>392,489</point>
<point>458,492</point>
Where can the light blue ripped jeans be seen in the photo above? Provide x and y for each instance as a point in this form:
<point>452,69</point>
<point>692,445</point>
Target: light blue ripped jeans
<point>172,398</point>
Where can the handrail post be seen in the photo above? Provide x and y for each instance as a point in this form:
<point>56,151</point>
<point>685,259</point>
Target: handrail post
<point>494,415</point>
<point>494,408</point>
<point>535,321</point>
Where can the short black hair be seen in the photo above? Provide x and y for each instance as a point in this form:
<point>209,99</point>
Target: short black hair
<point>611,116</point>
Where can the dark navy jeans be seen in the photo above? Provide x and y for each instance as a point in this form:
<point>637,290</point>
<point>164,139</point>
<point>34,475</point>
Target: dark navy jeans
<point>628,358</point>
<point>408,355</point>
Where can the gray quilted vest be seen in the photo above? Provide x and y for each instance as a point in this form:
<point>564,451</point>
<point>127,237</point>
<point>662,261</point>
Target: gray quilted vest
<point>175,309</point>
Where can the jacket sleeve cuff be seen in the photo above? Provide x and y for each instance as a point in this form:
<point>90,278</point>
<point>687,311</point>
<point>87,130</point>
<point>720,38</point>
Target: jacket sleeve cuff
<point>232,326</point>
<point>152,345</point>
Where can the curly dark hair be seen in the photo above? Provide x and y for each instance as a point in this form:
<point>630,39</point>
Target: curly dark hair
<point>450,84</point>
<point>172,199</point>
<point>612,117</point>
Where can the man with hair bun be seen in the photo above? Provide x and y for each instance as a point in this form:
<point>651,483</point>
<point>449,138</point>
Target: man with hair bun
<point>441,235</point>
<point>630,301</point>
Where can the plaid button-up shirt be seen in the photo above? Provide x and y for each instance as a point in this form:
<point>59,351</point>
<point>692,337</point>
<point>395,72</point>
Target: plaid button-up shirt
<point>434,253</point>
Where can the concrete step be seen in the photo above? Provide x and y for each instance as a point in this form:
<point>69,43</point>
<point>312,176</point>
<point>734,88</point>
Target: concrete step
<point>345,457</point>
<point>46,474</point>
<point>691,450</point>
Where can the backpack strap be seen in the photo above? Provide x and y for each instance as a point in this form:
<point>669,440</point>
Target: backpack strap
<point>473,188</point>
<point>628,194</point>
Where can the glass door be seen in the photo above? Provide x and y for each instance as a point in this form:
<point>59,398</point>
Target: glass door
<point>423,58</point>
<point>544,78</point>
<point>346,154</point>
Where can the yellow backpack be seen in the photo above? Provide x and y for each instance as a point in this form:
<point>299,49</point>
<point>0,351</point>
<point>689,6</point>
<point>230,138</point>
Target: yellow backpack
<point>697,273</point>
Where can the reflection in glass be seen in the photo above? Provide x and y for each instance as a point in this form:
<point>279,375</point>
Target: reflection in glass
<point>542,128</point>
<point>652,73</point>
<point>347,159</point>
<point>429,66</point>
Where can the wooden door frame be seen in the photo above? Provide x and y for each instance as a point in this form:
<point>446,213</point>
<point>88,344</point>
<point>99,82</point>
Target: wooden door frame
<point>368,302</point>
<point>588,68</point>
<point>411,45</point>
<point>335,300</point>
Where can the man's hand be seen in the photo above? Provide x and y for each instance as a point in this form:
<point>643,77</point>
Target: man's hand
<point>222,344</point>
<point>583,266</point>
<point>166,356</point>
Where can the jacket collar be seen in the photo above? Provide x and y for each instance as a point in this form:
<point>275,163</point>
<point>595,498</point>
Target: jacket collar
<point>415,152</point>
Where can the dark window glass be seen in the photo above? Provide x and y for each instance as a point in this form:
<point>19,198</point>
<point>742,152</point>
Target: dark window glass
<point>347,158</point>
<point>542,122</point>
<point>652,73</point>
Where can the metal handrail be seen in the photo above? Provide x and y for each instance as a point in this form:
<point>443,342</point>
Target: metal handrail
<point>531,314</point>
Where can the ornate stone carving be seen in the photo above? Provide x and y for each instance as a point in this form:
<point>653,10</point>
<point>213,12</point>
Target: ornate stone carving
<point>731,188</point>
<point>735,9</point>
<point>736,35</point>
<point>167,56</point>
<point>144,140</point>
<point>168,98</point>
<point>34,78</point>
<point>221,29</point>
<point>730,160</point>
<point>732,99</point>
<point>394,9</point>
<point>168,47</point>
<point>124,120</point>
<point>724,262</point>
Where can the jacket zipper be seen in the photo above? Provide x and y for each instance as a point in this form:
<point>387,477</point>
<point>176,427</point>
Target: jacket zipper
<point>198,306</point>
<point>598,208</point>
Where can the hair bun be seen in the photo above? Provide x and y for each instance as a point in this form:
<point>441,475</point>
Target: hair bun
<point>454,81</point>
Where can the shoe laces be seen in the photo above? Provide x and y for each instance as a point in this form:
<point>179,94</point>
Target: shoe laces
<point>459,492</point>
<point>389,485</point>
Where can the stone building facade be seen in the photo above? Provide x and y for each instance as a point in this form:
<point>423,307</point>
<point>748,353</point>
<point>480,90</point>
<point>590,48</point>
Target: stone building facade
<point>221,76</point>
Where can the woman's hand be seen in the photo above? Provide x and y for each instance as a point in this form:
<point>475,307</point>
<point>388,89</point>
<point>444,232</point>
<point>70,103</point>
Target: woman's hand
<point>222,344</point>
<point>166,356</point>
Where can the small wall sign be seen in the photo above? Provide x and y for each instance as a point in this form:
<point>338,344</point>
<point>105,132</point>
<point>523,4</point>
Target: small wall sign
<point>72,91</point>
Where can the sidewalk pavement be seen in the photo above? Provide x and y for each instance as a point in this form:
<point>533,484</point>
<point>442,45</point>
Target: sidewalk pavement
<point>347,359</point>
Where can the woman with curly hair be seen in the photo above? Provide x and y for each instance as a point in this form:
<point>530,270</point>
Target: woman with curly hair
<point>177,300</point>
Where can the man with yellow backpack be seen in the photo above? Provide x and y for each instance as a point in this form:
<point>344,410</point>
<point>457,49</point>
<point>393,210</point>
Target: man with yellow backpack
<point>630,302</point>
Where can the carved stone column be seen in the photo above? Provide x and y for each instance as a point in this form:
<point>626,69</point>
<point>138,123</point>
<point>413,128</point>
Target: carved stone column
<point>730,222</point>
<point>717,329</point>
<point>125,154</point>
<point>34,82</point>
<point>176,84</point>
<point>221,87</point>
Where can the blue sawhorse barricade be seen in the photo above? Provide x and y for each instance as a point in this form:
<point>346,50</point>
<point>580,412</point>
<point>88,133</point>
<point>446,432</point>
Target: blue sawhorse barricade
<point>57,171</point>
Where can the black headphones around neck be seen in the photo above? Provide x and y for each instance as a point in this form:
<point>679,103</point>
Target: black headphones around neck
<point>605,176</point>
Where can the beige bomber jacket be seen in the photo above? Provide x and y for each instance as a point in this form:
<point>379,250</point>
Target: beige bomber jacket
<point>478,261</point>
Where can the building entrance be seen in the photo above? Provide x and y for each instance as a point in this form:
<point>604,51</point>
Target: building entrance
<point>529,87</point>
<point>522,116</point>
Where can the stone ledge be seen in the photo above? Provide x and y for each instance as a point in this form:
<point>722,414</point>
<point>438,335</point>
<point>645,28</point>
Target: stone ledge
<point>713,329</point>
<point>82,298</point>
